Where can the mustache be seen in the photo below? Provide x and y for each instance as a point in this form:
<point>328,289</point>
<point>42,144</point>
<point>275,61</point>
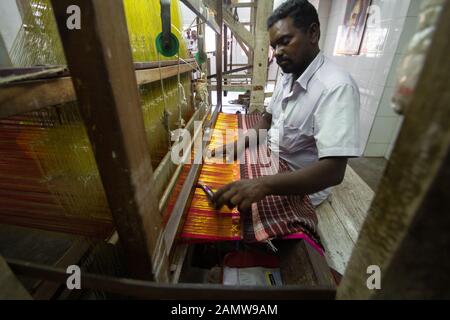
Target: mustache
<point>281,60</point>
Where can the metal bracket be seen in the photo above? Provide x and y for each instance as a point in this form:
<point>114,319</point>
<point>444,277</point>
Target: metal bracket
<point>166,23</point>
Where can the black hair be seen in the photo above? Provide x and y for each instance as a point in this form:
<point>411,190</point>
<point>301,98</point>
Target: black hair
<point>302,12</point>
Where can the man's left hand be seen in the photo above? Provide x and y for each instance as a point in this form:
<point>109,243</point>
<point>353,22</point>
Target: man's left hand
<point>241,194</point>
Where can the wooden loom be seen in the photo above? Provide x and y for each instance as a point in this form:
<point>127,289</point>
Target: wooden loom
<point>137,220</point>
<point>123,161</point>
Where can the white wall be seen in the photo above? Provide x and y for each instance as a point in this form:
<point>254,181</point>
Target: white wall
<point>374,71</point>
<point>387,123</point>
<point>10,23</point>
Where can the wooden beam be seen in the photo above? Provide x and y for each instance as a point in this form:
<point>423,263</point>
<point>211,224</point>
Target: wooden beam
<point>198,7</point>
<point>261,52</point>
<point>99,58</point>
<point>56,71</point>
<point>247,67</point>
<point>219,65</point>
<point>243,47</point>
<point>237,28</point>
<point>22,97</point>
<point>406,233</point>
<point>234,87</point>
<point>187,191</point>
<point>29,96</point>
<point>150,290</point>
<point>243,5</point>
<point>225,53</point>
<point>152,75</point>
<point>237,76</point>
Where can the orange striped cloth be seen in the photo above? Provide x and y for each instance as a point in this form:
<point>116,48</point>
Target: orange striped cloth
<point>202,223</point>
<point>283,217</point>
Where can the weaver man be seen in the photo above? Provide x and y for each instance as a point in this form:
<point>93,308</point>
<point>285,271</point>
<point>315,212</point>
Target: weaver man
<point>315,107</point>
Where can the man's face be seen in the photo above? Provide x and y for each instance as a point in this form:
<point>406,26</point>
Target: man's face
<point>292,46</point>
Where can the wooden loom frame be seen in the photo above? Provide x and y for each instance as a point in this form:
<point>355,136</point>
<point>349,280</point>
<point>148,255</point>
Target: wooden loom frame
<point>426,121</point>
<point>139,225</point>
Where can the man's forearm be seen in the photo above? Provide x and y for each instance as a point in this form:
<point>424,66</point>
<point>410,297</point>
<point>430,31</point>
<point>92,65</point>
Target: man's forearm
<point>324,174</point>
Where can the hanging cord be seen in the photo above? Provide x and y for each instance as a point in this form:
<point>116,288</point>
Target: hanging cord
<point>181,98</point>
<point>197,67</point>
<point>166,114</point>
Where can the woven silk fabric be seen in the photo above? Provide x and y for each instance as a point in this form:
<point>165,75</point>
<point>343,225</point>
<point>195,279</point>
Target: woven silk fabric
<point>274,217</point>
<point>202,221</point>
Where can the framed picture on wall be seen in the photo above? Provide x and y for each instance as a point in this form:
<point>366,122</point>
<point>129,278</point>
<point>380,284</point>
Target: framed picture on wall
<point>351,32</point>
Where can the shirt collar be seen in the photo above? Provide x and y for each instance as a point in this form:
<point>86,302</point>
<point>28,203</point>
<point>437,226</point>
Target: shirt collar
<point>304,79</point>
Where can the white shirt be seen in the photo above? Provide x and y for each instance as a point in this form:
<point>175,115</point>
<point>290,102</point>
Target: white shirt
<point>319,118</point>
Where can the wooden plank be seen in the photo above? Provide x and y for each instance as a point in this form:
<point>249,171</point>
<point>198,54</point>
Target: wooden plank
<point>106,88</point>
<point>351,201</point>
<point>10,287</point>
<point>302,265</point>
<point>406,232</point>
<point>178,261</point>
<point>337,242</point>
<point>10,75</point>
<point>150,290</point>
<point>322,271</point>
<point>152,75</point>
<point>261,52</point>
<point>187,191</point>
<point>33,95</point>
<point>45,72</point>
<point>28,96</point>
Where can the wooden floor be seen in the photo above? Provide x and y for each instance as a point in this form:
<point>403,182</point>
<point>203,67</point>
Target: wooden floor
<point>341,218</point>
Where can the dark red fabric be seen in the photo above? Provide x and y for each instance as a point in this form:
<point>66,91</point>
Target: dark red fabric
<point>275,216</point>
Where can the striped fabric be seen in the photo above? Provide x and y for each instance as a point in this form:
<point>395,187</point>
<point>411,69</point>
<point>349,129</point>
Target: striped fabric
<point>283,217</point>
<point>291,217</point>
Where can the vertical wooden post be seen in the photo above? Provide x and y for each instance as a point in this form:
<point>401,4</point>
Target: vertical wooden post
<point>260,56</point>
<point>225,53</point>
<point>100,61</point>
<point>219,18</point>
<point>406,233</point>
<point>252,30</point>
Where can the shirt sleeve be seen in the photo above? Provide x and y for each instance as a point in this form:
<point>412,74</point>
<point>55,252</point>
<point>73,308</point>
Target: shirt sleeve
<point>336,123</point>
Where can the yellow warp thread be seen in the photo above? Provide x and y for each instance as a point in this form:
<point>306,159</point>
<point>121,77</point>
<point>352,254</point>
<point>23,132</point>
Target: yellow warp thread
<point>56,137</point>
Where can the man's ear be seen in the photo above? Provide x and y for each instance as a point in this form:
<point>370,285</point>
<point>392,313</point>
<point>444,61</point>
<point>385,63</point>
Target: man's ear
<point>314,33</point>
